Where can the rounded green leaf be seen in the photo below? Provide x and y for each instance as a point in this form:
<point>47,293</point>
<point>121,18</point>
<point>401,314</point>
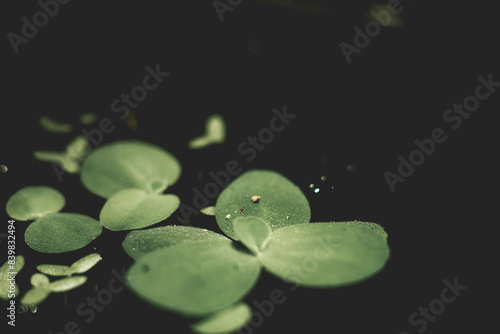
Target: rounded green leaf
<point>253,232</point>
<point>325,254</point>
<point>194,279</point>
<point>66,284</point>
<point>33,202</point>
<point>35,296</point>
<point>281,203</point>
<point>6,270</point>
<point>54,269</point>
<point>62,232</point>
<point>18,265</point>
<point>138,243</point>
<point>209,211</point>
<point>129,164</point>
<point>228,320</point>
<point>133,208</point>
<point>85,263</point>
<point>39,280</point>
<point>15,266</point>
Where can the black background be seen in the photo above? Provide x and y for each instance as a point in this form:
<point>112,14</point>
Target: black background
<point>365,113</point>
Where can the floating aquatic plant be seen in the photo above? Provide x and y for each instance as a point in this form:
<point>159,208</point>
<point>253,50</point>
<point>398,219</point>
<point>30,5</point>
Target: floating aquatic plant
<point>51,231</point>
<point>191,270</point>
<point>78,267</point>
<point>129,164</point>
<point>42,287</point>
<point>207,273</point>
<point>277,201</point>
<point>62,232</point>
<point>132,175</point>
<point>33,202</point>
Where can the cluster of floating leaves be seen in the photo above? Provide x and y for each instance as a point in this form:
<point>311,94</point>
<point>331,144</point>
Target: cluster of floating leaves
<point>208,274</point>
<point>51,231</point>
<point>42,287</point>
<point>189,270</point>
<point>132,175</point>
<point>76,151</point>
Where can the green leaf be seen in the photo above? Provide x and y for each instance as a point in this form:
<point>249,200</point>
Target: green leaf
<point>78,149</point>
<point>194,279</point>
<point>6,271</point>
<point>85,263</point>
<point>35,296</point>
<point>62,232</point>
<point>70,159</point>
<point>50,156</point>
<point>138,243</point>
<point>253,232</point>
<point>228,320</point>
<point>54,269</point>
<point>18,265</point>
<point>133,208</point>
<point>39,292</point>
<point>50,125</point>
<point>281,202</point>
<point>39,280</point>
<point>325,254</point>
<point>215,133</point>
<point>88,118</point>
<point>373,226</point>
<point>129,164</point>
<point>33,202</point>
<point>209,211</point>
<point>78,267</point>
<point>66,284</point>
